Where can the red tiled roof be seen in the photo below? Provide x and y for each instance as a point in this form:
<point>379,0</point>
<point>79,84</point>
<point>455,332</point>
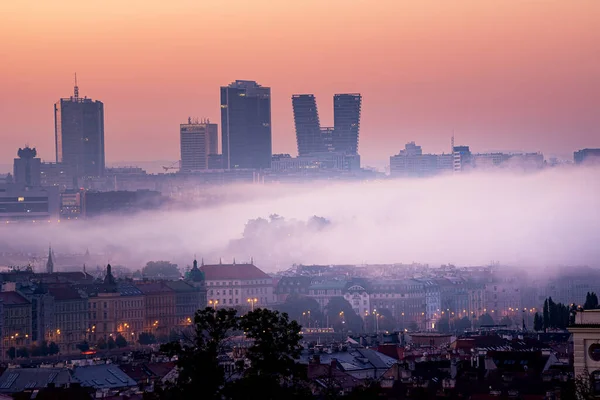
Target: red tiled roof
<point>233,271</point>
<point>12,298</point>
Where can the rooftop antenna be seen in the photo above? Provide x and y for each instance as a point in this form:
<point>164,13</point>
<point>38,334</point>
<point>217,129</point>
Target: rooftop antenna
<point>76,88</point>
<point>452,143</point>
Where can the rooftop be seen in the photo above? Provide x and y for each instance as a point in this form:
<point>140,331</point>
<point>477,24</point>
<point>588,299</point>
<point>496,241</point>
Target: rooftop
<point>103,376</point>
<point>18,379</point>
<point>233,271</point>
<point>12,298</point>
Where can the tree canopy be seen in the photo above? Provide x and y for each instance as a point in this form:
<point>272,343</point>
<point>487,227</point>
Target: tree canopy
<point>161,270</point>
<point>342,316</point>
<point>591,301</point>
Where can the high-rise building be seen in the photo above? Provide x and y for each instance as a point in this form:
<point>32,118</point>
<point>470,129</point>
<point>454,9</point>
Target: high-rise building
<point>346,122</point>
<point>198,140</point>
<point>27,168</point>
<point>587,156</point>
<point>246,125</point>
<point>308,128</point>
<point>79,134</point>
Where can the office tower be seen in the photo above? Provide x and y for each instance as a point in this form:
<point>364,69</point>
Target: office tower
<point>79,134</point>
<point>246,125</point>
<point>27,168</point>
<point>587,156</point>
<point>198,140</point>
<point>346,122</point>
<point>327,138</point>
<point>308,128</point>
<point>463,159</point>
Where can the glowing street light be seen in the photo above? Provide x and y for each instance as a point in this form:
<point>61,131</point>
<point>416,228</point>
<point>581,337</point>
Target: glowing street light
<point>252,302</point>
<point>213,303</point>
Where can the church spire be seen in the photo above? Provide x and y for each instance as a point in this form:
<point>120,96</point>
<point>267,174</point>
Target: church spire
<point>50,262</point>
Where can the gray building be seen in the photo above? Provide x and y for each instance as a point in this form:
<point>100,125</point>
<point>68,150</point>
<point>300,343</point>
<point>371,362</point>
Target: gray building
<point>246,125</point>
<point>18,202</point>
<point>79,134</point>
<point>587,156</point>
<point>27,168</point>
<point>308,128</point>
<point>198,140</point>
<point>346,122</point>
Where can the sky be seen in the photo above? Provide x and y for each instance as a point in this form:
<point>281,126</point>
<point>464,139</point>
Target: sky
<point>510,75</point>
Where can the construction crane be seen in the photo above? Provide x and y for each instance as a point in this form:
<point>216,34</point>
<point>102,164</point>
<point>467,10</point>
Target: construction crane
<point>172,166</point>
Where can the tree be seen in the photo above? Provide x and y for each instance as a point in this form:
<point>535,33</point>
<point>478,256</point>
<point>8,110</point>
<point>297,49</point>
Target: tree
<point>44,348</point>
<point>11,353</point>
<point>462,324</point>
<point>443,325</point>
<point>297,307</point>
<point>83,346</point>
<point>486,319</point>
<point>101,344</point>
<point>53,348</point>
<point>146,338</point>
<point>120,342</point>
<point>591,301</point>
<point>197,359</point>
<point>538,322</point>
<point>506,321</point>
<point>161,270</point>
<point>387,322</point>
<point>22,352</point>
<point>273,372</point>
<point>546,316</point>
<point>342,316</point>
<point>110,343</point>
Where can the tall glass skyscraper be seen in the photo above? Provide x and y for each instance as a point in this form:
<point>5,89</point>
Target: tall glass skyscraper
<point>79,135</point>
<point>308,128</point>
<point>246,125</point>
<point>346,122</point>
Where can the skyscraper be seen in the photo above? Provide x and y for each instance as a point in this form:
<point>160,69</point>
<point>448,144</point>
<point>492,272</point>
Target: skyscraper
<point>246,125</point>
<point>198,140</point>
<point>79,134</point>
<point>346,122</point>
<point>27,168</point>
<point>308,128</point>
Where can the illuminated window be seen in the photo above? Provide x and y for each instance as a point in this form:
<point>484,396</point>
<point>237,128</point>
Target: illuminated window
<point>21,199</point>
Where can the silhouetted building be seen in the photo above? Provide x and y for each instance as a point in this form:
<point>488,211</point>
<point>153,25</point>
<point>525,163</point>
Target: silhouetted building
<point>246,125</point>
<point>308,128</point>
<point>50,262</point>
<point>19,202</point>
<point>120,202</point>
<point>411,162</point>
<point>587,156</point>
<point>27,168</point>
<point>198,140</point>
<point>462,158</point>
<point>215,161</point>
<point>346,122</point>
<point>79,130</point>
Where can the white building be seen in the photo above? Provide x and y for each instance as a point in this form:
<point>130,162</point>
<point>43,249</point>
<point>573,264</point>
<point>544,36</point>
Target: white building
<point>586,346</point>
<point>238,285</point>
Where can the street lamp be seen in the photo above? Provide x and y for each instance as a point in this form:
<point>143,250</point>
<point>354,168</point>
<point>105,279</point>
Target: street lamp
<point>213,303</point>
<point>252,302</point>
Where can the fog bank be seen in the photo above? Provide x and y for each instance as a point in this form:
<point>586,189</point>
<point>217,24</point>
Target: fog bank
<point>550,218</point>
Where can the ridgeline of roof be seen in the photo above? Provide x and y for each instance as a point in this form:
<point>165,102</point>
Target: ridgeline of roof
<point>242,272</point>
<point>64,293</point>
<point>180,286</point>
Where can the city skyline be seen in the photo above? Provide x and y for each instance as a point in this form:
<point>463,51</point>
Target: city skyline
<point>515,77</point>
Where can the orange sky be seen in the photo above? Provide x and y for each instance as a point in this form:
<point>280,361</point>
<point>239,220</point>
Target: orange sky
<point>505,74</point>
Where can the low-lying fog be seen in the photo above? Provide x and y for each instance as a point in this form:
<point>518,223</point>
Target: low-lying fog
<point>550,218</point>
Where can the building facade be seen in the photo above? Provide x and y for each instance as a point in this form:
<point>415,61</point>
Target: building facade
<point>308,127</point>
<point>238,285</point>
<point>79,134</point>
<point>27,168</point>
<point>246,125</point>
<point>346,122</point>
<point>198,140</point>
